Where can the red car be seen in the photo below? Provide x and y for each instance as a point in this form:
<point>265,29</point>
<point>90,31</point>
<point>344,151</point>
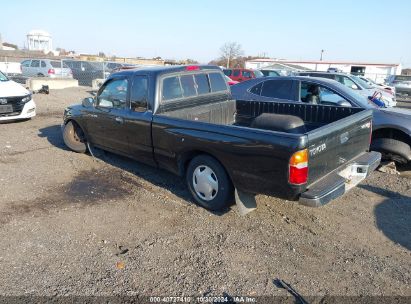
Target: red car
<point>242,74</point>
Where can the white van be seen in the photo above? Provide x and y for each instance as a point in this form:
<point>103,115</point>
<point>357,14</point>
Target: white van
<point>15,101</point>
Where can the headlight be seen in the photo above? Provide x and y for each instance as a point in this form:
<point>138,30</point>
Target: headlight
<point>26,98</point>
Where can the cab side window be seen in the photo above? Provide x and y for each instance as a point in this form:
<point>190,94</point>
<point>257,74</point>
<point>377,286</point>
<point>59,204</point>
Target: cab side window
<point>139,94</point>
<point>114,94</point>
<point>43,64</point>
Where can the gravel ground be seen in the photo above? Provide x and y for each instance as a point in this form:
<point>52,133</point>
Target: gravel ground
<point>74,225</point>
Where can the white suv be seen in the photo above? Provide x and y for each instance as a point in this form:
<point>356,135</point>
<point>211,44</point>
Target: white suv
<point>15,101</point>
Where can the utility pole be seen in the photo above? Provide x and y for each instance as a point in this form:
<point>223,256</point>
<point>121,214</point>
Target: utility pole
<point>321,56</point>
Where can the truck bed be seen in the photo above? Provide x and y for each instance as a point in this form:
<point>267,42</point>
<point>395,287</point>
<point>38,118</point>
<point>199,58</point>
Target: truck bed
<point>334,136</point>
<point>242,113</point>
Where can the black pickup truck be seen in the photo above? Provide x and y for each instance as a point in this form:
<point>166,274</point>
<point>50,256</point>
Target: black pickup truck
<point>183,119</point>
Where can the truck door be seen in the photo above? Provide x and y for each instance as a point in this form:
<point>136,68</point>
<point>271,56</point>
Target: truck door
<point>105,124</point>
<point>138,121</point>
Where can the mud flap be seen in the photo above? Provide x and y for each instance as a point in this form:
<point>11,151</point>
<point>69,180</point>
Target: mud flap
<point>245,202</point>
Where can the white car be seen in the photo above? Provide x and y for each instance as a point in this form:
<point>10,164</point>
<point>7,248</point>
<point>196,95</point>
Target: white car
<point>384,87</point>
<point>15,101</point>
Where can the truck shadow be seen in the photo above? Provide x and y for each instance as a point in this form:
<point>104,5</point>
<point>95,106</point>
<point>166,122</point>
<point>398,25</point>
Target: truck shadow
<point>53,135</point>
<point>155,176</point>
<point>393,215</point>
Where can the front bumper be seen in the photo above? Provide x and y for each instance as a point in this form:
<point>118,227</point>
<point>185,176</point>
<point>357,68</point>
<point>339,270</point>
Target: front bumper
<point>341,180</point>
<point>29,111</point>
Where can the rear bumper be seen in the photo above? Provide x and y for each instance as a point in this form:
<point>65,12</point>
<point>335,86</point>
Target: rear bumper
<point>341,180</point>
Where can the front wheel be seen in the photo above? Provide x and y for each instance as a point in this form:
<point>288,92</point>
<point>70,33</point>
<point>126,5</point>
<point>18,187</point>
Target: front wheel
<point>209,183</point>
<point>73,137</point>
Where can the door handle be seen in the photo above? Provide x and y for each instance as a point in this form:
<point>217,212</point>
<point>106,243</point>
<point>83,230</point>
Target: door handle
<point>119,120</point>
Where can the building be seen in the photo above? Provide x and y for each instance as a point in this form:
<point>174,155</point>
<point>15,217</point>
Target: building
<point>376,71</point>
<point>39,40</point>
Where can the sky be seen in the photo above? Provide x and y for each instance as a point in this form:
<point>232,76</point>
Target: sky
<point>371,31</point>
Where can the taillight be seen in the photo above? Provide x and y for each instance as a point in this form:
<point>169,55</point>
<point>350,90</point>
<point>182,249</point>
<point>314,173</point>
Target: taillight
<point>51,71</point>
<point>192,68</point>
<point>298,168</point>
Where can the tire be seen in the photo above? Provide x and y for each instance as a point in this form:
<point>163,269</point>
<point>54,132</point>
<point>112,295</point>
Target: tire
<point>392,149</point>
<point>209,183</point>
<point>73,137</point>
<point>40,75</point>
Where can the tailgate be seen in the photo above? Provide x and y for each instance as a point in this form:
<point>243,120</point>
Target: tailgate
<point>335,144</point>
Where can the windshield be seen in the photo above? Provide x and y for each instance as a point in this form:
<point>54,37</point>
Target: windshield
<point>370,81</point>
<point>3,77</point>
<point>361,82</point>
<point>258,74</point>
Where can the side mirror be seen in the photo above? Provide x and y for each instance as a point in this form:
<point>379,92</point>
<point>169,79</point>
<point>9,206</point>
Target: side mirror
<point>344,103</point>
<point>88,102</point>
<point>354,87</point>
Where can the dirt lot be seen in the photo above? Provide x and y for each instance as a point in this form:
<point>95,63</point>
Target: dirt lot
<point>72,225</point>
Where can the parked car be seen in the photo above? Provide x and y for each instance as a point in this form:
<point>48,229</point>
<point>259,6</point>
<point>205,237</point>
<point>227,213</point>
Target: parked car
<point>45,68</point>
<point>16,102</point>
<point>111,66</point>
<point>125,67</point>
<point>391,126</point>
<point>372,83</point>
<point>334,70</point>
<point>242,74</point>
<point>86,71</point>
<point>270,73</point>
<point>354,83</point>
<point>185,120</point>
<point>401,83</point>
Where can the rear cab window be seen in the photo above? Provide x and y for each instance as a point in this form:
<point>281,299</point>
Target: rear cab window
<point>192,85</point>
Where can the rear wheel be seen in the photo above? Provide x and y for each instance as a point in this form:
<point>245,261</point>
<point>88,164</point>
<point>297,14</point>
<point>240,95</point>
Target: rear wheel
<point>392,149</point>
<point>74,138</point>
<point>40,75</point>
<point>209,183</point>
